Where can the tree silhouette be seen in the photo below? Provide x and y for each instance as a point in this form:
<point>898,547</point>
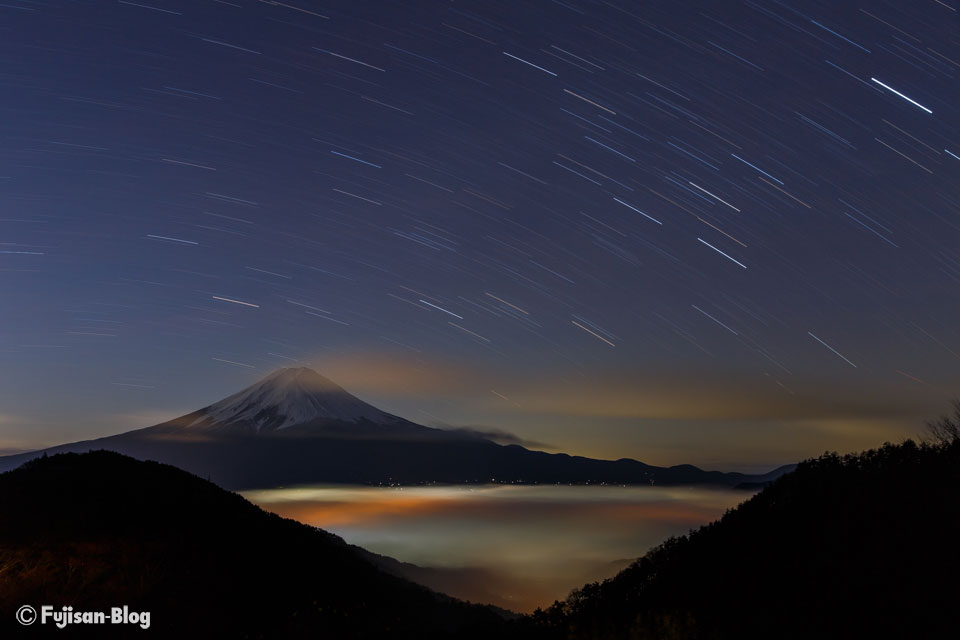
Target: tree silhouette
<point>946,429</point>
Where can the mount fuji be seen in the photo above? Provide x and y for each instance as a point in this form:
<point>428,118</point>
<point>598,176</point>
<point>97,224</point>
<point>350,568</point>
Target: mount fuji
<point>293,400</point>
<point>290,397</point>
<point>297,427</point>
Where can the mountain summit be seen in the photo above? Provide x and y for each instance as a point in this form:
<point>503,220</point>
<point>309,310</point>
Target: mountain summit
<point>288,397</point>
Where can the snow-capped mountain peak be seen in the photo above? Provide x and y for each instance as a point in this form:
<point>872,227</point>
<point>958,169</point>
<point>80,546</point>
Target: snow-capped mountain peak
<point>288,397</point>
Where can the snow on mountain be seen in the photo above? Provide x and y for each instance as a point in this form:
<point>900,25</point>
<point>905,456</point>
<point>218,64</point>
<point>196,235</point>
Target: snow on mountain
<point>290,397</point>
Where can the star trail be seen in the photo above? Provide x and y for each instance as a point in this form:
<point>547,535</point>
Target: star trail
<point>659,228</point>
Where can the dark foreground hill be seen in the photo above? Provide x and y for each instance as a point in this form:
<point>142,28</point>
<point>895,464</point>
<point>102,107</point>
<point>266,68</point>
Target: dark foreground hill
<point>99,530</point>
<point>859,546</point>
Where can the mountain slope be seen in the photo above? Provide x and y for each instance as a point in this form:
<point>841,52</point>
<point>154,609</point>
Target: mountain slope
<point>860,546</point>
<point>99,530</point>
<point>297,427</point>
<point>288,397</point>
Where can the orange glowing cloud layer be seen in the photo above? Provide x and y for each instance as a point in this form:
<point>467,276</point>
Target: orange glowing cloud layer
<point>343,513</point>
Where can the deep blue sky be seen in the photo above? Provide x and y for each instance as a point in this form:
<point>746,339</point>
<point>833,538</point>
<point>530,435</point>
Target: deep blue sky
<point>722,232</point>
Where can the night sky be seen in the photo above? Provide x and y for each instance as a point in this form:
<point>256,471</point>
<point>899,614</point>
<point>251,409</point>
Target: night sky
<point>723,233</point>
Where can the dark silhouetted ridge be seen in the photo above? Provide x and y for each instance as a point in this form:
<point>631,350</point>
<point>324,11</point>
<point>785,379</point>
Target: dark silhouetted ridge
<point>99,529</point>
<point>858,546</point>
